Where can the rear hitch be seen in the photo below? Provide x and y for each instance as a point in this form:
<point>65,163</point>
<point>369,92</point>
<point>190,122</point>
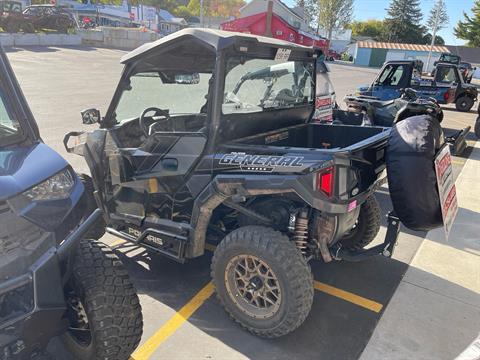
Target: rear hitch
<point>457,141</point>
<point>385,249</point>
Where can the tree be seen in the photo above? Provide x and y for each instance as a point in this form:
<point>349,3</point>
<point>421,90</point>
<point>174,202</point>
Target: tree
<point>439,10</point>
<point>403,22</point>
<point>469,28</point>
<point>183,12</point>
<point>372,28</point>
<point>334,15</point>
<point>310,8</point>
<point>222,8</point>
<point>194,7</point>
<point>427,39</point>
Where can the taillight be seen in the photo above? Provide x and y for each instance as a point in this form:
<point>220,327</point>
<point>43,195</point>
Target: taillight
<point>325,181</point>
<point>446,96</point>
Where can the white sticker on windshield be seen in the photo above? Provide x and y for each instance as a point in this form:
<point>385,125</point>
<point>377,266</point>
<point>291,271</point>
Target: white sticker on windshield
<point>282,55</point>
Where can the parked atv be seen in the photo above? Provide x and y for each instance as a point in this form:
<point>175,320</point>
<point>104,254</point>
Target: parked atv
<point>49,17</point>
<point>446,84</point>
<point>373,111</point>
<point>386,113</point>
<point>234,158</point>
<point>54,279</point>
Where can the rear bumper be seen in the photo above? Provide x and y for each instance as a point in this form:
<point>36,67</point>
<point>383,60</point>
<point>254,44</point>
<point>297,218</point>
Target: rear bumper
<point>32,305</point>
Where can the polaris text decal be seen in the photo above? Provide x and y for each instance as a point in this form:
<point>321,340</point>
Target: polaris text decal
<point>261,162</point>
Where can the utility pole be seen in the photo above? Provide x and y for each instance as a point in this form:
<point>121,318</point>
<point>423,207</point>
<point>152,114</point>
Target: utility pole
<point>434,34</point>
<point>201,13</point>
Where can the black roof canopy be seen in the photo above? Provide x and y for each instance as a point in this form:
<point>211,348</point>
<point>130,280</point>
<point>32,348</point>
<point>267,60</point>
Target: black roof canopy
<point>216,40</point>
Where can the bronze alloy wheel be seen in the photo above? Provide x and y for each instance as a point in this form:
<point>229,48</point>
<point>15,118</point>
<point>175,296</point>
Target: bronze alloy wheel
<point>253,286</point>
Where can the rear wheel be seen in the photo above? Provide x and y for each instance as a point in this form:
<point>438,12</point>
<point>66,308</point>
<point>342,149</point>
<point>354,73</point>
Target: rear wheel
<point>367,226</point>
<point>103,310</point>
<point>263,281</point>
<point>464,103</point>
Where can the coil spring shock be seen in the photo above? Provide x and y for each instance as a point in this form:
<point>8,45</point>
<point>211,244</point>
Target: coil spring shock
<point>300,236</point>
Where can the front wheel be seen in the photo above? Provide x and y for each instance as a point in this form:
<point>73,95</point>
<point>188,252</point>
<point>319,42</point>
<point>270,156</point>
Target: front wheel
<point>103,310</point>
<point>464,103</point>
<point>262,281</point>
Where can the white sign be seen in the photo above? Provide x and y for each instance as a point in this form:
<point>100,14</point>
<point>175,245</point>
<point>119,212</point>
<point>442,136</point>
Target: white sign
<point>323,109</point>
<point>446,188</point>
<point>282,55</point>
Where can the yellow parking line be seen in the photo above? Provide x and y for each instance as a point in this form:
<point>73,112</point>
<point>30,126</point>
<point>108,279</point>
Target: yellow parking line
<point>210,247</point>
<point>148,348</point>
<point>348,296</point>
<point>145,351</point>
<point>333,291</point>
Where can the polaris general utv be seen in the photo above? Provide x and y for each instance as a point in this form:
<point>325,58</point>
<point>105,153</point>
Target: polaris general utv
<point>232,155</point>
<point>52,280</point>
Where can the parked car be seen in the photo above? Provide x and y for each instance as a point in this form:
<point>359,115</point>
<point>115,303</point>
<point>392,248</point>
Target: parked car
<point>240,163</point>
<point>49,17</point>
<point>332,55</point>
<point>56,279</point>
<point>467,71</point>
<point>447,85</point>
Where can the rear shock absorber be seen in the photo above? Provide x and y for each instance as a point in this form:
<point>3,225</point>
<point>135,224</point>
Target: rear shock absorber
<point>300,236</point>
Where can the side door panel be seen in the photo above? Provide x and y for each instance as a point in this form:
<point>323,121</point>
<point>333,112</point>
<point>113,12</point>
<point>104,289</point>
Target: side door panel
<point>148,178</point>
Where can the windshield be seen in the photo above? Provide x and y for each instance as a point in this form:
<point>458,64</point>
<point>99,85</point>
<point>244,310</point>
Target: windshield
<point>176,93</point>
<point>258,85</point>
<point>10,130</point>
<point>454,59</point>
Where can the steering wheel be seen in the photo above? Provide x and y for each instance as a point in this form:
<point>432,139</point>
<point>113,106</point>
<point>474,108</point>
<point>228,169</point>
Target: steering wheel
<point>157,112</point>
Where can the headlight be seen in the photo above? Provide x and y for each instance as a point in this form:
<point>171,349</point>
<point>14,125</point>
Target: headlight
<point>57,187</point>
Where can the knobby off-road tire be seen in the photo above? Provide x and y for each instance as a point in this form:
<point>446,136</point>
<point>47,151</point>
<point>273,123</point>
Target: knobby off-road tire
<point>103,303</point>
<point>464,103</point>
<point>97,230</point>
<point>286,264</point>
<point>367,226</point>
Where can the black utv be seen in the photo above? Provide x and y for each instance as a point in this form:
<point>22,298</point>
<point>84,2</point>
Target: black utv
<point>53,281</point>
<point>232,156</point>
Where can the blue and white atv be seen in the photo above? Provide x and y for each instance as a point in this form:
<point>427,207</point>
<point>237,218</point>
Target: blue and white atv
<point>446,85</point>
<point>54,282</point>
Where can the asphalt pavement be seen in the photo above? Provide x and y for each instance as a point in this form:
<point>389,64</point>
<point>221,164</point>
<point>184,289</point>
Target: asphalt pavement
<point>182,318</point>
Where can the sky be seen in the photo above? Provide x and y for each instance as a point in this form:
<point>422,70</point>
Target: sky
<point>376,9</point>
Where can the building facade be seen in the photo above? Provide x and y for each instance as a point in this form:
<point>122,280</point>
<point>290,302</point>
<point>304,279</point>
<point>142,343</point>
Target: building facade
<point>273,18</point>
<point>374,54</point>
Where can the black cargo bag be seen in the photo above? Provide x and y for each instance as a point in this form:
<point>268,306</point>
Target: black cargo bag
<point>412,182</point>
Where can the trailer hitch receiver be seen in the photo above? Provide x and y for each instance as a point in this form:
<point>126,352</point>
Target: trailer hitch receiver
<point>385,249</point>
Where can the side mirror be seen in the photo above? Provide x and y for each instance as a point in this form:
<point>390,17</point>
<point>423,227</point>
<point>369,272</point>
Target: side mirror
<point>90,116</point>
